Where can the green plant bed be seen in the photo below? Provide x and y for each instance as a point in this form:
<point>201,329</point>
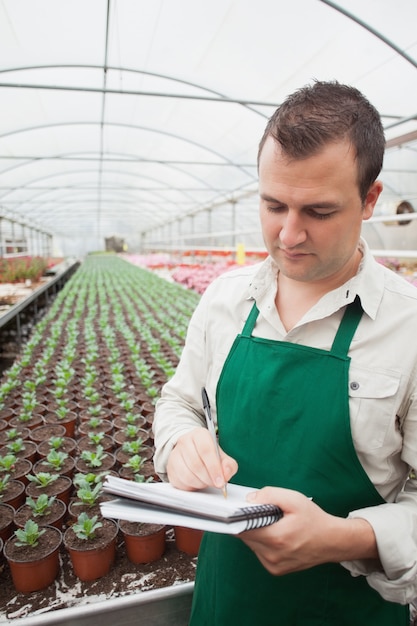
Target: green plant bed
<point>111,338</point>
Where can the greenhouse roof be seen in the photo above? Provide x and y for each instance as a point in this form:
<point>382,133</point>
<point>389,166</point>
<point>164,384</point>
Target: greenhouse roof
<point>141,119</point>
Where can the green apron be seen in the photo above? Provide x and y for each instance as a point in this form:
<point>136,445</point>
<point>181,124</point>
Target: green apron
<point>283,414</point>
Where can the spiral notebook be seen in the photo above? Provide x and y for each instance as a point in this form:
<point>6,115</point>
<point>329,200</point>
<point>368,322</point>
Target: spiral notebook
<point>204,510</point>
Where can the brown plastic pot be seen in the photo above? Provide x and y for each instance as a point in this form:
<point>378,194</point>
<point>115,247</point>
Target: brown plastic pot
<point>54,518</point>
<point>21,469</point>
<point>120,423</point>
<point>29,451</point>
<point>121,436</point>
<point>34,568</point>
<point>69,445</point>
<point>144,543</point>
<point>6,521</point>
<point>69,422</point>
<point>22,433</point>
<point>105,426</point>
<point>107,464</point>
<point>7,413</point>
<point>86,415</point>
<point>92,559</point>
<point>67,468</point>
<point>61,488</point>
<point>147,471</point>
<point>33,422</point>
<point>46,431</point>
<point>188,539</point>
<point>13,494</point>
<point>123,457</point>
<point>85,443</point>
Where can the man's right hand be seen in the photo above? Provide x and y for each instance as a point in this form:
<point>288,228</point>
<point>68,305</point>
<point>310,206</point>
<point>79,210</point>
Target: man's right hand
<point>194,464</point>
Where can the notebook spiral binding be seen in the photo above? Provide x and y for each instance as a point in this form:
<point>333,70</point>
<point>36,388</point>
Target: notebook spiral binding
<point>262,515</point>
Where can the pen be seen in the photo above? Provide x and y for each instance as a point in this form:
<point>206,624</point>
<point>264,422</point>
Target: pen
<point>210,426</point>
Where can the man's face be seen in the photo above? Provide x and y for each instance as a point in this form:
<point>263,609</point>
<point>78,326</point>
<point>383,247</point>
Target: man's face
<point>311,211</point>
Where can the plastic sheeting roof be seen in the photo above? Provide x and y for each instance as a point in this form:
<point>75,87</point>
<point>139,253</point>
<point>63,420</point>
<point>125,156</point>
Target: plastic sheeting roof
<point>133,116</point>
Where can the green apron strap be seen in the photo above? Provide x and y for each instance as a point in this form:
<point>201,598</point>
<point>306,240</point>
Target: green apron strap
<point>344,335</point>
<point>250,321</point>
<point>347,328</point>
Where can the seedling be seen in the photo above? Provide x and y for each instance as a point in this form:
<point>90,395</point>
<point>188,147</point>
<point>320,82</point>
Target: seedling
<point>92,479</point>
<point>25,416</point>
<point>95,438</point>
<point>132,447</point>
<point>152,391</point>
<point>42,479</point>
<point>4,480</point>
<point>7,462</point>
<point>29,535</point>
<point>40,379</point>
<point>29,401</point>
<point>62,412</point>
<point>87,494</point>
<point>139,478</point>
<point>30,385</point>
<point>94,458</point>
<point>89,388</point>
<point>131,431</point>
<point>117,368</point>
<point>56,442</point>
<point>135,463</point>
<point>92,395</point>
<point>118,385</point>
<point>56,459</point>
<point>131,418</point>
<point>59,392</point>
<point>95,410</point>
<point>122,396</point>
<point>42,505</point>
<point>16,446</point>
<point>85,527</point>
<point>12,434</point>
<point>94,422</point>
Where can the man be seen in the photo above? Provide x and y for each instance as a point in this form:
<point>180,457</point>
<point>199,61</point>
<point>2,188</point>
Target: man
<point>310,360</point>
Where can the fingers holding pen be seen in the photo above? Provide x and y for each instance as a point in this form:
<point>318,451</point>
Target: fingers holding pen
<point>229,465</point>
<point>194,462</point>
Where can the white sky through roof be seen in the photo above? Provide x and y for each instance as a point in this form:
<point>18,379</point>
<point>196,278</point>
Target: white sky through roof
<point>122,117</point>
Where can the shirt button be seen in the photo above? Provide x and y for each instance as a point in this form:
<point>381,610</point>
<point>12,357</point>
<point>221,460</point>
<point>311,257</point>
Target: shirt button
<point>354,386</point>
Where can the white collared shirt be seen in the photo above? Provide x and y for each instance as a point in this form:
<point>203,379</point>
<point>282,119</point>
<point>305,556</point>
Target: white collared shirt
<point>382,390</point>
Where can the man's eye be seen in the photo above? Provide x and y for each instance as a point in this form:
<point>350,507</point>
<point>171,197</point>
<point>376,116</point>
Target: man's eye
<point>321,216</point>
<point>275,208</point>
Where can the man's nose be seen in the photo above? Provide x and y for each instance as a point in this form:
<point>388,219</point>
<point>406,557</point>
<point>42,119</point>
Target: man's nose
<point>293,230</point>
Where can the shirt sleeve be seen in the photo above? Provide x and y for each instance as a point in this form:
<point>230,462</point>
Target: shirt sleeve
<point>179,409</point>
<point>395,528</point>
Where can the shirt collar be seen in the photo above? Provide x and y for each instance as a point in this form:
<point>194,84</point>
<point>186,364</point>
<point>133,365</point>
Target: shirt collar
<point>368,284</point>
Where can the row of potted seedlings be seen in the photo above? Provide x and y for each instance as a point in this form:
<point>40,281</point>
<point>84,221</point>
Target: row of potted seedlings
<point>78,404</point>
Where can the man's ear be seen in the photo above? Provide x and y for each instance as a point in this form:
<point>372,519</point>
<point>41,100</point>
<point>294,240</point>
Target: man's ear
<point>372,196</point>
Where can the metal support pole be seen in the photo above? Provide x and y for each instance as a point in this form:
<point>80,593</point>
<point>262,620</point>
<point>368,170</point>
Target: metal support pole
<point>31,247</point>
<point>18,330</point>
<point>233,216</point>
<point>13,238</point>
<point>25,243</point>
<point>192,230</point>
<point>209,231</point>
